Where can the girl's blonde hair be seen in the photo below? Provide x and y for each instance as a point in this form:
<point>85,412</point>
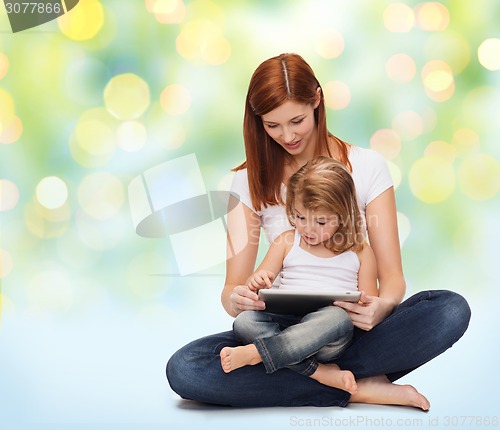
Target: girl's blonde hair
<point>275,81</point>
<point>325,184</point>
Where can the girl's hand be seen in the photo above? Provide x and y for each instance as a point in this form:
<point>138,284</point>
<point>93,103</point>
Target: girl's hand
<point>243,298</point>
<point>261,279</point>
<point>368,312</point>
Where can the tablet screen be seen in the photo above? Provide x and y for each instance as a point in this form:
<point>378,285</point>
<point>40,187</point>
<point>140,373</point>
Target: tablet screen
<point>302,302</point>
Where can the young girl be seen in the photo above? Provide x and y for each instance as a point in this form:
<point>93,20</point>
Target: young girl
<point>326,251</point>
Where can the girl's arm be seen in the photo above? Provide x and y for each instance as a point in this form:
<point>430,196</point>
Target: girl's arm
<point>243,233</point>
<point>382,229</point>
<point>367,274</point>
<point>273,261</point>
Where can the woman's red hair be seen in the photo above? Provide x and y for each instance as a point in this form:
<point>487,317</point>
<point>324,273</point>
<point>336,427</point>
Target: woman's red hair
<point>275,81</point>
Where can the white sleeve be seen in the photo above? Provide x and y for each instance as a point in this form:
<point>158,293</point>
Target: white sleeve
<point>380,179</point>
<point>370,173</point>
<point>241,189</point>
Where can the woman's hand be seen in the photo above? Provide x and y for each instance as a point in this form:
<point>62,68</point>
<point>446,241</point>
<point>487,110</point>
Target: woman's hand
<point>368,312</point>
<point>242,298</point>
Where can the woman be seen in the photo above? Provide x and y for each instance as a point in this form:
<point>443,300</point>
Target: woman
<point>284,128</point>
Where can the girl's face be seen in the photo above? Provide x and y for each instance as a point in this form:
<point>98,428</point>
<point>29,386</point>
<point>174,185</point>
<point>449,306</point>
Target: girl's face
<point>292,126</point>
<point>315,226</point>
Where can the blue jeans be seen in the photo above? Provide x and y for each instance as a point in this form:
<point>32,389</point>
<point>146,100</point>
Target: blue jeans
<point>419,329</point>
<point>294,341</point>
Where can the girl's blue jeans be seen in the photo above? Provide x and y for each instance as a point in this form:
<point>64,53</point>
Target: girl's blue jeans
<point>294,341</point>
<point>419,329</point>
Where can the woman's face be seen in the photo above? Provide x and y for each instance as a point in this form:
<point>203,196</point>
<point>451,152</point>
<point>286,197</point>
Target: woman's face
<point>292,126</point>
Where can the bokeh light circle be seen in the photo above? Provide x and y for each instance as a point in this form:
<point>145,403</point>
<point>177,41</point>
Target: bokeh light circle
<point>329,43</point>
<point>337,95</point>
<point>408,125</point>
<point>132,136</point>
<point>94,138</point>
<point>44,222</point>
<point>167,11</point>
<point>175,99</point>
<point>101,195</point>
<point>52,192</point>
<point>466,140</point>
<point>401,68</point>
<point>441,149</point>
<point>83,22</point>
<point>7,112</point>
<point>432,16</point>
<point>202,40</point>
<point>489,54</point>
<point>9,195</point>
<point>4,65</point>
<point>95,131</point>
<point>399,18</point>
<point>11,131</point>
<point>479,176</point>
<point>127,96</point>
<point>386,142</point>
<point>432,179</point>
<point>438,80</point>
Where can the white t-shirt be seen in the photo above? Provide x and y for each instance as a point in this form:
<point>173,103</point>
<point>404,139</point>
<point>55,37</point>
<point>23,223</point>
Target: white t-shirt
<point>370,174</point>
<point>303,270</point>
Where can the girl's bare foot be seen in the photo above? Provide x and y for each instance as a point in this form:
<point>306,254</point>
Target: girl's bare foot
<point>239,356</point>
<point>331,375</point>
<point>379,390</point>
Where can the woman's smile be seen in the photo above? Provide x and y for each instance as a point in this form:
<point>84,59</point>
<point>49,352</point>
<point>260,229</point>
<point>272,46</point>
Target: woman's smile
<point>293,145</point>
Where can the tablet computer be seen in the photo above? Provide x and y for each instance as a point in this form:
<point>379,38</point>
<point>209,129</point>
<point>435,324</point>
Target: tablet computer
<point>302,302</point>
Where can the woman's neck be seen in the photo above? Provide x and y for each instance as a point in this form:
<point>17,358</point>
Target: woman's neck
<point>310,152</point>
<point>307,154</point>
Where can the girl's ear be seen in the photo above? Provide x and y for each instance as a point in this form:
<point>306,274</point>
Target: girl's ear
<point>318,97</point>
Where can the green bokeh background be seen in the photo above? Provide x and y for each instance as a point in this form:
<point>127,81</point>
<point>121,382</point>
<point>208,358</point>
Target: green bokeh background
<point>77,281</point>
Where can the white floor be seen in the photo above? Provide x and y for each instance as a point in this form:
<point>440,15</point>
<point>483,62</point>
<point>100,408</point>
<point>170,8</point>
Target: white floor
<point>105,369</point>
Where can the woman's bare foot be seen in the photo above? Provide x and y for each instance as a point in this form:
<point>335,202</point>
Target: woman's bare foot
<point>379,390</point>
<point>239,356</point>
<point>331,375</point>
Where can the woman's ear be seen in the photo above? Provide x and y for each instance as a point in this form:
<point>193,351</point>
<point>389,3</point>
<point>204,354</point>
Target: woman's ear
<point>318,97</point>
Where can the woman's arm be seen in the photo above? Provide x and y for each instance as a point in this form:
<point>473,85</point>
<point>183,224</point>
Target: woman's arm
<point>367,274</point>
<point>243,233</point>
<point>382,226</point>
<point>382,229</point>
